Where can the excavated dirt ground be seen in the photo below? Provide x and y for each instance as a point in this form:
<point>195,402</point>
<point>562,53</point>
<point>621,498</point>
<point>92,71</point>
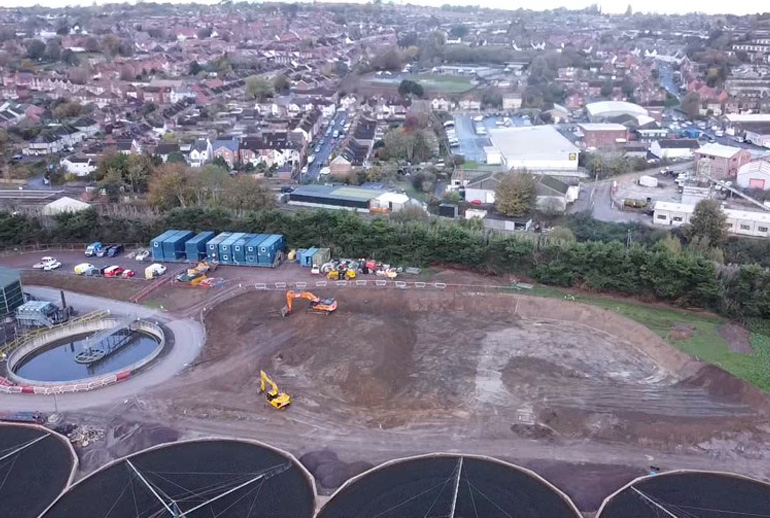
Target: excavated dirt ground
<point>549,369</point>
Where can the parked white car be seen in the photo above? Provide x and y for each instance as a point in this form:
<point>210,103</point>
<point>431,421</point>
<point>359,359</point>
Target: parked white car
<point>47,264</point>
<point>142,255</point>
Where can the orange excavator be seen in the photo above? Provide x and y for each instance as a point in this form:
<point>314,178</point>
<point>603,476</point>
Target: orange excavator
<point>317,305</point>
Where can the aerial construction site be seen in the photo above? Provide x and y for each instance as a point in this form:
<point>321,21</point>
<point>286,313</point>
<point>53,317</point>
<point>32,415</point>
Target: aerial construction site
<point>345,377</point>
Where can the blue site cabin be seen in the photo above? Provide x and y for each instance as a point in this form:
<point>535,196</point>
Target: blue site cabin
<point>268,249</point>
<point>173,247</point>
<point>212,247</point>
<point>252,248</point>
<point>195,249</point>
<point>156,245</point>
<point>239,248</point>
<point>306,259</point>
<point>226,248</point>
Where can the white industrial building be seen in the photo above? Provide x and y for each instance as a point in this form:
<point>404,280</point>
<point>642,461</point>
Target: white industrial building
<point>672,149</point>
<point>535,148</point>
<point>604,110</point>
<point>739,222</point>
<point>754,175</point>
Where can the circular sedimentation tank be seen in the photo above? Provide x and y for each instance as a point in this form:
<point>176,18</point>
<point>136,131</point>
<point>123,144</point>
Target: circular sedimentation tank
<point>210,477</point>
<point>437,485</point>
<point>36,465</point>
<point>689,493</point>
<point>85,351</point>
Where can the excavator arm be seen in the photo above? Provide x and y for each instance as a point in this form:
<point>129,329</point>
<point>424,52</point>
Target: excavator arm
<point>316,304</point>
<point>275,397</point>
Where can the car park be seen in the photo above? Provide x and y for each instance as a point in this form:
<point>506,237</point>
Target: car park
<point>87,269</point>
<point>154,270</point>
<point>47,264</point>
<point>114,250</point>
<point>112,271</point>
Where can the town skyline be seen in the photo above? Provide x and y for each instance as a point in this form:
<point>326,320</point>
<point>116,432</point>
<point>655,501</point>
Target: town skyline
<point>710,7</point>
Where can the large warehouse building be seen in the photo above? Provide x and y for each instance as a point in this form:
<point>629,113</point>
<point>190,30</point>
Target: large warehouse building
<point>535,148</point>
<point>603,111</point>
<point>360,199</point>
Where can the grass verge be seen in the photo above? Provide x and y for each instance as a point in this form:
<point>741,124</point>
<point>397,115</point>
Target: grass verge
<point>705,343</point>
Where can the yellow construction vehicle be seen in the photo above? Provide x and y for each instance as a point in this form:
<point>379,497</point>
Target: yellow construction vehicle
<point>335,275</point>
<point>317,305</point>
<point>276,398</point>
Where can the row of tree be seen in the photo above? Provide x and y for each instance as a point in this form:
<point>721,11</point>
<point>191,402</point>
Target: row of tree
<point>660,271</point>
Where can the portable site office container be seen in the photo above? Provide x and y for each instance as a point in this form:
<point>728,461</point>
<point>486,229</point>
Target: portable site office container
<point>173,247</point>
<point>212,247</point>
<point>306,258</point>
<point>239,248</point>
<point>252,248</point>
<point>156,245</point>
<point>226,248</point>
<point>268,250</point>
<point>321,257</point>
<point>298,255</point>
<point>195,249</point>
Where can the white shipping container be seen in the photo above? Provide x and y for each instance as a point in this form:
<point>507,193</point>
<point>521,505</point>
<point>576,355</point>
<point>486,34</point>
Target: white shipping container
<point>648,181</point>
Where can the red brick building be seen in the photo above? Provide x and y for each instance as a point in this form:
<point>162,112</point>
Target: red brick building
<point>603,135</point>
<point>720,161</point>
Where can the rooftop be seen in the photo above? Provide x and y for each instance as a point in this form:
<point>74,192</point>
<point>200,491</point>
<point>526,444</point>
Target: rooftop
<point>337,192</point>
<point>599,126</point>
<point>530,142</point>
<point>608,107</point>
<point>718,150</point>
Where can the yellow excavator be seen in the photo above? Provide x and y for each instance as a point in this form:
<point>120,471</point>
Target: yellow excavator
<point>317,305</point>
<point>276,398</point>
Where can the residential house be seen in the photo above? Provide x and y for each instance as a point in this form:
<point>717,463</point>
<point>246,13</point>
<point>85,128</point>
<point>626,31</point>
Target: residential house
<point>181,93</point>
<point>340,166</point>
<point>469,103</point>
<point>271,149</point>
<point>79,166</point>
<point>719,161</point>
<point>200,153</point>
<point>128,146</point>
<point>575,101</point>
<point>512,101</point>
<point>672,149</point>
<point>226,149</point>
<point>44,144</point>
<point>87,125</point>
<point>164,149</point>
<point>440,104</point>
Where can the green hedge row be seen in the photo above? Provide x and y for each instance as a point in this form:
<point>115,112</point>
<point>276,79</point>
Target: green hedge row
<point>639,270</point>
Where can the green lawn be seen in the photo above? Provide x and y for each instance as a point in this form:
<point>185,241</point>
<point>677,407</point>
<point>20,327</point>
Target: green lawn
<point>705,343</point>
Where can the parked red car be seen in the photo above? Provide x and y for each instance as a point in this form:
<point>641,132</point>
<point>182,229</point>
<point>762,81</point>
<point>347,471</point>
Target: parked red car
<point>127,274</point>
<point>113,271</point>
